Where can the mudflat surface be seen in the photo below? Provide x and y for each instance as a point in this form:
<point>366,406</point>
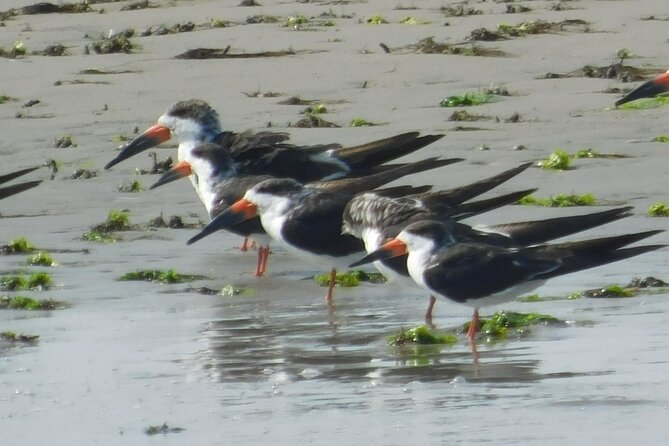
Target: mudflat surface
<point>273,364</point>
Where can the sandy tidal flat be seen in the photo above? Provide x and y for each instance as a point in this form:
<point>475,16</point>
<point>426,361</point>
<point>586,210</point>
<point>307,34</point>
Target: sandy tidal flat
<point>274,365</point>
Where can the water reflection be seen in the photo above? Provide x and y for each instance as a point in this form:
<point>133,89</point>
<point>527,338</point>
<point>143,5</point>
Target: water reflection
<point>347,345</point>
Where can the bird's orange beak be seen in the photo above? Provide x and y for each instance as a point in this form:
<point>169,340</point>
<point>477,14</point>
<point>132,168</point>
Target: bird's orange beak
<point>151,137</point>
<point>649,89</point>
<point>393,248</point>
<point>181,169</point>
<point>240,211</point>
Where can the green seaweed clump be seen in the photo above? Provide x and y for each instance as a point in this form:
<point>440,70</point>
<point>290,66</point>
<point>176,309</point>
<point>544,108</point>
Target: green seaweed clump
<point>661,138</point>
<point>116,221</point>
<point>39,281</point>
<point>659,210</point>
<point>95,235</point>
<point>20,245</point>
<point>360,122</point>
<point>28,303</point>
<point>504,323</point>
<point>590,153</point>
<point>316,108</point>
<point>168,276</point>
<point>531,298</point>
<point>421,335</point>
<point>467,99</point>
<point>558,160</point>
<point>350,278</point>
<point>376,19</point>
<point>609,291</point>
<point>19,282</point>
<point>41,259</point>
<point>559,200</point>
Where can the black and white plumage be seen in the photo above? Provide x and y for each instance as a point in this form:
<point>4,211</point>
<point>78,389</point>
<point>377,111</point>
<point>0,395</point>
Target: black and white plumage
<point>376,219</point>
<point>477,274</point>
<point>194,121</point>
<point>220,185</point>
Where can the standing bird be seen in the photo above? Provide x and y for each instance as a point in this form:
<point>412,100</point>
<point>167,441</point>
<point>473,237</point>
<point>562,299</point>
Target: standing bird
<point>220,185</point>
<point>376,219</point>
<point>307,220</point>
<point>471,272</point>
<point>194,121</point>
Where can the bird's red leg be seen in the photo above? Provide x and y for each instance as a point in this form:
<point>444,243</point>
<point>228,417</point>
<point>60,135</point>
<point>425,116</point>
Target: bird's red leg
<point>245,245</point>
<point>331,284</point>
<point>471,334</point>
<point>259,265</point>
<point>265,256</point>
<point>430,307</point>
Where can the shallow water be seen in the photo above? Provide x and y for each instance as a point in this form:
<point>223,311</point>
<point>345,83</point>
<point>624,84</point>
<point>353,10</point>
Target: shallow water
<point>276,365</point>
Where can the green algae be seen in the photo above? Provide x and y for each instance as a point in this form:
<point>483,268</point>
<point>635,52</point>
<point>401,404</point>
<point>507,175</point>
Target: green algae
<point>98,236</point>
<point>502,324</point>
<point>420,335</point>
<point>644,104</point>
<point>467,99</point>
<point>17,282</point>
<point>28,303</point>
<point>167,276</point>
<point>116,221</point>
<point>610,291</point>
<point>561,159</point>
<point>376,19</point>
<point>349,279</point>
<point>531,298</point>
<point>558,160</point>
<point>661,138</point>
<point>360,122</point>
<point>41,259</point>
<point>20,245</point>
<point>658,209</point>
<point>559,200</point>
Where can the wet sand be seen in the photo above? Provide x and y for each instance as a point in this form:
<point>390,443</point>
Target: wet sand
<point>275,365</point>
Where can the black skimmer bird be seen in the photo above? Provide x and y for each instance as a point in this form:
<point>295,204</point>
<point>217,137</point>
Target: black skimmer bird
<point>306,219</point>
<point>376,219</point>
<point>8,191</point>
<point>194,121</point>
<point>649,89</point>
<point>220,185</point>
<point>475,273</point>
